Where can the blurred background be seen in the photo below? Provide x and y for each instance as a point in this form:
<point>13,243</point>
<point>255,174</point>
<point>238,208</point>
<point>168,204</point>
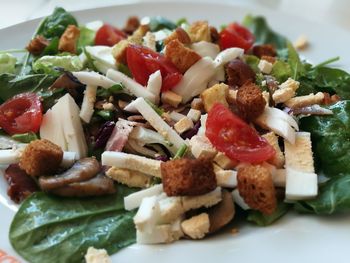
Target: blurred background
<point>322,11</point>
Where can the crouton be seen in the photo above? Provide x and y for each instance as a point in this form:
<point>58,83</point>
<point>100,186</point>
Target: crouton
<point>303,101</point>
<point>180,35</point>
<point>197,226</point>
<point>199,31</point>
<point>129,177</point>
<point>37,45</point>
<point>188,177</point>
<point>264,50</point>
<point>255,185</point>
<point>216,93</point>
<point>119,51</point>
<point>132,24</point>
<point>69,39</point>
<point>206,200</point>
<point>182,57</point>
<point>278,159</point>
<point>250,101</point>
<point>41,157</point>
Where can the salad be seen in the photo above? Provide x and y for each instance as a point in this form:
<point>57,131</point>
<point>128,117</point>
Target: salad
<point>159,131</point>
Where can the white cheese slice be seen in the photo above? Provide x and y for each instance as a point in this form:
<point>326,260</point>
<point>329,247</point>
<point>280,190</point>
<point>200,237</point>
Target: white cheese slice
<point>300,185</point>
<point>9,156</point>
<point>159,124</point>
<point>102,56</point>
<point>52,130</point>
<point>68,118</point>
<point>206,49</point>
<point>132,162</point>
<point>131,85</point>
<point>134,200</point>
<point>196,79</point>
<point>148,214</point>
<point>87,107</point>
<point>94,79</point>
<point>154,85</point>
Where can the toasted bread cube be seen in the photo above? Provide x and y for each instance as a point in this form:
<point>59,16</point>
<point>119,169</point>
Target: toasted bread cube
<point>201,147</point>
<point>180,34</point>
<point>182,57</point>
<point>278,159</point>
<point>188,177</point>
<point>224,162</point>
<point>119,51</point>
<point>299,155</point>
<point>129,177</point>
<point>171,98</point>
<point>206,200</point>
<point>41,157</point>
<point>199,31</point>
<point>194,115</point>
<point>216,93</point>
<point>265,66</point>
<point>197,226</point>
<point>303,101</point>
<point>69,39</point>
<point>183,125</point>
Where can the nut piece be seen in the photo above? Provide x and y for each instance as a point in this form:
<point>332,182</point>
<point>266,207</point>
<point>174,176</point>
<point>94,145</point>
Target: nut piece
<point>182,57</point>
<point>41,157</point>
<point>221,214</point>
<point>216,93</point>
<point>180,35</point>
<point>197,226</point>
<point>256,187</point>
<point>199,31</point>
<point>68,41</point>
<point>183,125</point>
<point>250,101</point>
<point>37,45</point>
<point>238,73</point>
<point>187,177</point>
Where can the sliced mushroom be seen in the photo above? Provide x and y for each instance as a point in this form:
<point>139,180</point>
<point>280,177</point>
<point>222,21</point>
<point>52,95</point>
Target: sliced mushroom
<point>221,214</point>
<point>82,170</point>
<point>99,185</point>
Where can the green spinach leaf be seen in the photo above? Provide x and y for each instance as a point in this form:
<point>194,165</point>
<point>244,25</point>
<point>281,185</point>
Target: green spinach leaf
<point>333,197</point>
<point>260,219</point>
<point>263,33</point>
<point>10,84</point>
<point>331,139</point>
<point>55,24</point>
<point>25,137</point>
<point>55,229</point>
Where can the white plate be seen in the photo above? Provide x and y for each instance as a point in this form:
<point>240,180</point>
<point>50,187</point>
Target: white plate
<point>295,238</point>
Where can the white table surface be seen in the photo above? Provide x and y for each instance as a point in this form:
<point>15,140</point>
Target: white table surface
<point>322,11</point>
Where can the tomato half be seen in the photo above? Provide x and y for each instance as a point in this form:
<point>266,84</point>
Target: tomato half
<point>235,35</point>
<point>231,135</point>
<point>21,114</point>
<point>108,35</point>
<point>143,61</point>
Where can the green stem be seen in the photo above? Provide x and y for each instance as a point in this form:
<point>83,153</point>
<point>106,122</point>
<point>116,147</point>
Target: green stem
<point>329,61</point>
<point>180,152</point>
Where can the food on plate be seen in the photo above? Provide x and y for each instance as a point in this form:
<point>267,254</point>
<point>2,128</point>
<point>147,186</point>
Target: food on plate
<point>159,131</point>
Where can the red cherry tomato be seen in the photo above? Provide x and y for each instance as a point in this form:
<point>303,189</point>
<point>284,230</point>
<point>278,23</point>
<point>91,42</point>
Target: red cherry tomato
<point>235,35</point>
<point>231,135</point>
<point>108,35</point>
<point>21,114</point>
<point>143,61</point>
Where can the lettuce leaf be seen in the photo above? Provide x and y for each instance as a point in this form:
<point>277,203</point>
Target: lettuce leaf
<point>55,229</point>
<point>49,64</point>
<point>7,63</point>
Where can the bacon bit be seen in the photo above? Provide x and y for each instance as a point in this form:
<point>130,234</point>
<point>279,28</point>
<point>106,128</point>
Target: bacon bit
<point>120,135</point>
<point>37,45</point>
<point>326,99</point>
<point>264,50</point>
<point>21,185</point>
